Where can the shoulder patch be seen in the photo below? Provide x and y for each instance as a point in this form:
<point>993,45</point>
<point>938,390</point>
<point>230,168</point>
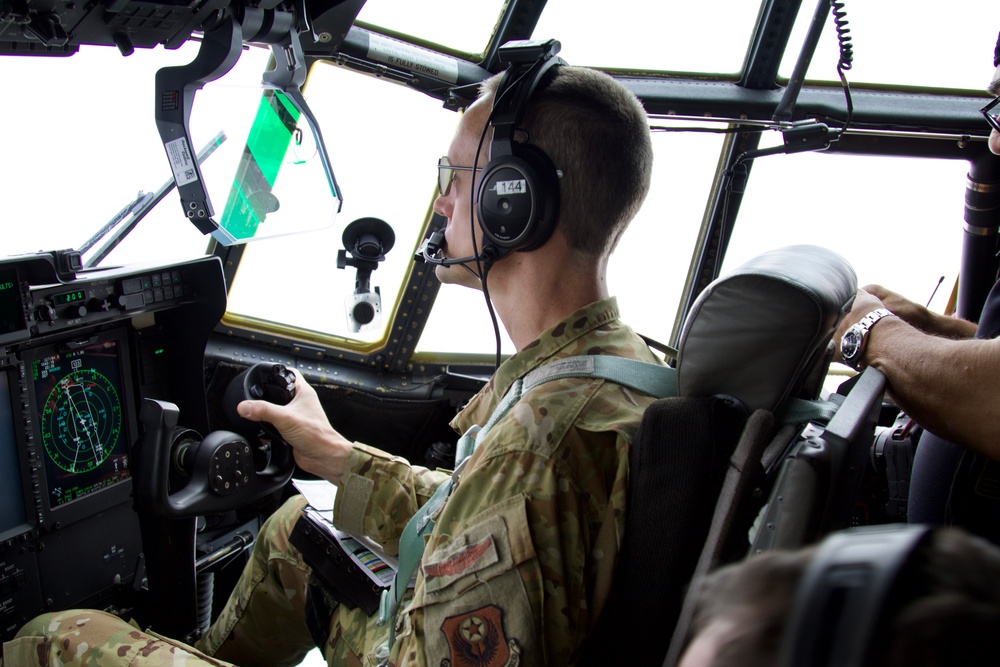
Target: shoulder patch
<point>477,639</point>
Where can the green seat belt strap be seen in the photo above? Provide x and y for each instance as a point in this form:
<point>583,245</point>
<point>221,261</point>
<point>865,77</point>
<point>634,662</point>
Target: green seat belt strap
<point>651,379</point>
<point>800,411</point>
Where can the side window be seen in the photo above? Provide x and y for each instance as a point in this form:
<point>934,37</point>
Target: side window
<point>649,269</point>
<point>898,221</point>
<point>384,154</point>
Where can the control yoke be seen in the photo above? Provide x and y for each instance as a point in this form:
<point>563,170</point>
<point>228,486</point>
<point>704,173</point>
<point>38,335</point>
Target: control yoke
<point>225,470</point>
<point>220,50</point>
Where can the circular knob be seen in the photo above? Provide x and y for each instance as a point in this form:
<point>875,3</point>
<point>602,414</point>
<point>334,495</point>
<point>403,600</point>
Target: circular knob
<point>46,313</point>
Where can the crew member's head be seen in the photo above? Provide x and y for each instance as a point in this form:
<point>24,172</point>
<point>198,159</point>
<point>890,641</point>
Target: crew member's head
<point>943,609</point>
<point>596,135</point>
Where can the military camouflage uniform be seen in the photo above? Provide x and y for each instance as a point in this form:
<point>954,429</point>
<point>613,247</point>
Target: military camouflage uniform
<point>520,560</point>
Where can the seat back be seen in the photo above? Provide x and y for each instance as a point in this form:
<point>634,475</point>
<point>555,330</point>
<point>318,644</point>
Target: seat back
<point>762,332</point>
<point>678,459</point>
<point>814,493</point>
<point>753,338</point>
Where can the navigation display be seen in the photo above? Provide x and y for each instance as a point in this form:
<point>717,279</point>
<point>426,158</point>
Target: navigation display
<point>81,433</point>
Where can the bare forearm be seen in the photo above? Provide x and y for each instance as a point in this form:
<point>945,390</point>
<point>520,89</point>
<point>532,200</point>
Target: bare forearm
<point>948,386</point>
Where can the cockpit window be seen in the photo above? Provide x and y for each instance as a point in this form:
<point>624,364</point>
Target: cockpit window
<point>384,152</point>
<point>660,28</point>
<point>897,221</point>
<point>384,149</point>
<point>110,155</point>
<point>901,43</point>
<point>660,34</point>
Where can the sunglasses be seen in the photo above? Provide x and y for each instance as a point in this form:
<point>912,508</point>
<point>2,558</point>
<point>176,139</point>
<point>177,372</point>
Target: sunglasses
<point>446,175</point>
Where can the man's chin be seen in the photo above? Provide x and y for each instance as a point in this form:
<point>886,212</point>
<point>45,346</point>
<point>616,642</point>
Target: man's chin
<point>456,274</point>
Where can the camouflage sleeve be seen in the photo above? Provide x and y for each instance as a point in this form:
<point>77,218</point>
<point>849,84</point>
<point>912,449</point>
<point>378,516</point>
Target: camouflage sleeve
<point>379,493</point>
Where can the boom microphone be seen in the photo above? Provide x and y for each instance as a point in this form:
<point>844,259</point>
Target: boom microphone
<point>429,249</point>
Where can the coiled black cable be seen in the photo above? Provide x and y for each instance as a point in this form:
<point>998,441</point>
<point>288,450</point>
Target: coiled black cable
<point>846,53</point>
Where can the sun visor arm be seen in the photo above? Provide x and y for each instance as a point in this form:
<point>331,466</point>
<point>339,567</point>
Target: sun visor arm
<point>175,91</point>
<point>288,75</point>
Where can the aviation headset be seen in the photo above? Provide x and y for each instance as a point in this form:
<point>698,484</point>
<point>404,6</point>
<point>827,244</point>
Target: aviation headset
<point>518,195</point>
<point>840,602</point>
<point>517,201</point>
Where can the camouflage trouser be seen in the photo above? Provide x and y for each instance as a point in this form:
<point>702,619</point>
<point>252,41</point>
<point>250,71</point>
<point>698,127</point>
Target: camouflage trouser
<point>263,623</point>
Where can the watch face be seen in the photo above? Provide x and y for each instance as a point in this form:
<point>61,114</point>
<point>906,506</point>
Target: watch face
<point>850,345</point>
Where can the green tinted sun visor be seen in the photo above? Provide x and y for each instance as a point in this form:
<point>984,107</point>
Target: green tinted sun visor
<point>278,180</point>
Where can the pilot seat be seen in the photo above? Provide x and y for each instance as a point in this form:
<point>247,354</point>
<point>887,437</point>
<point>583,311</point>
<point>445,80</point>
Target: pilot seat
<point>752,357</point>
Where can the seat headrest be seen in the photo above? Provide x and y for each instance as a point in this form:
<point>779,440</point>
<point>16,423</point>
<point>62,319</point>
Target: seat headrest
<point>753,333</point>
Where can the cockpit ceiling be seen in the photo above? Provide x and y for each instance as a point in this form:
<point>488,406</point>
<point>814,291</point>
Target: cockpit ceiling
<point>756,44</point>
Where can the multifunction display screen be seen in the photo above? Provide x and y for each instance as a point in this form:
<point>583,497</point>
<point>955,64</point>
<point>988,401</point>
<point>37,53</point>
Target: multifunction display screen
<point>81,429</point>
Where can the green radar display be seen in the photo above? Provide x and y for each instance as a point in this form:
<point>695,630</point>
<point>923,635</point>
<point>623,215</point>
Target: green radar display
<point>80,424</point>
<point>81,421</point>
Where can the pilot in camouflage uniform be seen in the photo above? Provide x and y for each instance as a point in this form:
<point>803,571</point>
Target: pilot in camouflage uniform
<point>516,570</point>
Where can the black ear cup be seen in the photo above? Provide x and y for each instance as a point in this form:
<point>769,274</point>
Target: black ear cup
<point>518,199</point>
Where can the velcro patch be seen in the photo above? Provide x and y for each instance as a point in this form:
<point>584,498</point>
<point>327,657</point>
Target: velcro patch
<point>460,562</point>
<point>454,564</point>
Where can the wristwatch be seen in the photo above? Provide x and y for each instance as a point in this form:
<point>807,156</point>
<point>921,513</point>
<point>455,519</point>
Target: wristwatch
<point>852,345</point>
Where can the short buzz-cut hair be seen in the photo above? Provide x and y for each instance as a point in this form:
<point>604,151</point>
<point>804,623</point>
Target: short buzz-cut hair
<point>596,133</point>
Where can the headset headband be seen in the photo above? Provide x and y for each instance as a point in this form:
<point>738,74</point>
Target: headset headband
<point>517,86</point>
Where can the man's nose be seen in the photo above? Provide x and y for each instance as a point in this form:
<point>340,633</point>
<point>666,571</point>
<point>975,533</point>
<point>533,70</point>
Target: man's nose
<point>443,205</point>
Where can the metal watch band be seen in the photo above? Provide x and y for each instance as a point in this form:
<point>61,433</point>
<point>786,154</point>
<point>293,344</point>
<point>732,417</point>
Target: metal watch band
<point>852,345</point>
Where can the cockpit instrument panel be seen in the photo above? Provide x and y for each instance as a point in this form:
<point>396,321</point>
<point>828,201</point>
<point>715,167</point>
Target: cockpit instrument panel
<point>79,352</point>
